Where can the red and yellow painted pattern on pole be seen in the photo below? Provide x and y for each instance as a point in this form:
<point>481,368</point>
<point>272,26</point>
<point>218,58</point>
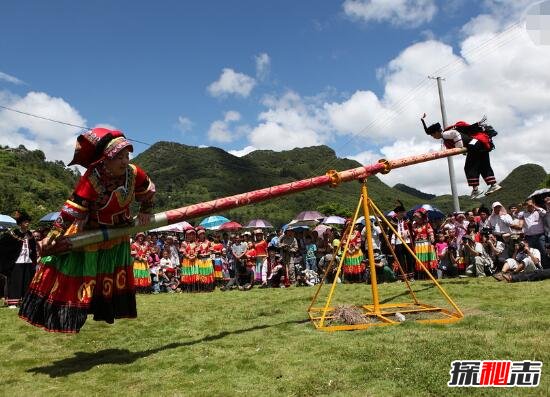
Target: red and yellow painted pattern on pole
<point>331,178</point>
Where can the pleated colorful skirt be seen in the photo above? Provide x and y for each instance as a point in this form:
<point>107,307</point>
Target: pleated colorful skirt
<point>218,274</point>
<point>142,278</point>
<point>425,252</point>
<point>197,275</point>
<point>354,267</point>
<point>96,280</point>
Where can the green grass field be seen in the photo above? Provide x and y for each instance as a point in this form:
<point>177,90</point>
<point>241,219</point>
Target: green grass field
<point>261,343</point>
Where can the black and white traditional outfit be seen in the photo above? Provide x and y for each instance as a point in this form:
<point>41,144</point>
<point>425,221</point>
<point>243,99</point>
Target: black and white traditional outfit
<point>17,260</point>
<point>479,144</point>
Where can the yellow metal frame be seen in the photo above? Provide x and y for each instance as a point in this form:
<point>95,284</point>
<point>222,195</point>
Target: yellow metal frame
<point>378,314</point>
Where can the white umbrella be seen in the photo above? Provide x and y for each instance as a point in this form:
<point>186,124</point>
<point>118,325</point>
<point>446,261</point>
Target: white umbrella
<point>6,220</point>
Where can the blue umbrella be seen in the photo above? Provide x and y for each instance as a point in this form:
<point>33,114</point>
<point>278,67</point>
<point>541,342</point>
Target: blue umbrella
<point>213,222</point>
<point>434,213</point>
<point>6,220</point>
<point>51,217</point>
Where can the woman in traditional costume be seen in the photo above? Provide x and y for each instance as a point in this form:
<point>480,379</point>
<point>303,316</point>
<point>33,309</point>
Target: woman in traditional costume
<point>140,253</point>
<point>217,261</point>
<point>204,261</point>
<point>189,267</point>
<point>17,259</point>
<point>423,243</point>
<point>354,267</point>
<point>97,279</point>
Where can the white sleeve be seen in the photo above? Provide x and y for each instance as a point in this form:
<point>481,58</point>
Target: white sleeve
<point>264,270</point>
<point>453,135</point>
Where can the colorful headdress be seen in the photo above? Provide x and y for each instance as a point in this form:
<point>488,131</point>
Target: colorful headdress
<point>97,144</point>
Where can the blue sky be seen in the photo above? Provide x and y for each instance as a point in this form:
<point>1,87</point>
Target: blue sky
<point>141,66</point>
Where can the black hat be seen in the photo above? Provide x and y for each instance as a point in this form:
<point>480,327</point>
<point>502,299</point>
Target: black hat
<point>22,216</point>
<point>399,208</point>
<point>272,248</point>
<point>432,129</point>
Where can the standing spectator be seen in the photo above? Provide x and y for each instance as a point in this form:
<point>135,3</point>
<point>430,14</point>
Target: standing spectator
<point>423,243</point>
<point>205,268</point>
<point>260,246</point>
<point>172,248</point>
<point>18,259</point>
<point>311,254</point>
<point>531,220</point>
<point>499,221</point>
<point>354,267</point>
<point>289,247</point>
<point>442,251</point>
<point>189,266</point>
<point>546,224</point>
<point>140,253</point>
<point>154,266</point>
<point>404,230</point>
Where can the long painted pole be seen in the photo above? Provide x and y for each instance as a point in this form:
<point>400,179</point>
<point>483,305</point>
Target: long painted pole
<point>331,178</point>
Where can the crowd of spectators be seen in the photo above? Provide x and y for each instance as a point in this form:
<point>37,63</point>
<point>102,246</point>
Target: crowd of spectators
<point>476,243</point>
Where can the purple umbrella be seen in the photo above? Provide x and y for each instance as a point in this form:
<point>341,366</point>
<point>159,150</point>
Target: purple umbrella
<point>309,216</point>
<point>258,224</point>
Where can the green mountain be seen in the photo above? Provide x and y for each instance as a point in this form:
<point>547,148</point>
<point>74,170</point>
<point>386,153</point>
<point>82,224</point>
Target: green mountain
<point>30,182</point>
<point>414,192</point>
<point>186,175</point>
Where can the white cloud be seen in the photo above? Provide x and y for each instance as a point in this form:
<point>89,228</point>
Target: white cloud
<point>184,124</point>
<point>10,79</point>
<point>408,13</point>
<point>243,152</point>
<point>232,83</point>
<point>220,130</point>
<point>290,121</point>
<point>263,64</point>
<point>55,140</point>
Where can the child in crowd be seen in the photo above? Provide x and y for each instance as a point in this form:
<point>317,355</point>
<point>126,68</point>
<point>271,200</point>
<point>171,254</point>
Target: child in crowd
<point>154,266</point>
<point>225,265</point>
<point>166,263</point>
<point>217,261</point>
<point>311,254</point>
<point>441,249</point>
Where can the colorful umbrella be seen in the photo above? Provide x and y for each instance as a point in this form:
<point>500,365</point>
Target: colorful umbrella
<point>321,229</point>
<point>361,219</point>
<point>6,220</point>
<point>51,217</point>
<point>433,213</point>
<point>213,222</point>
<point>258,224</point>
<point>176,227</point>
<point>334,220</point>
<point>230,226</point>
<point>309,216</point>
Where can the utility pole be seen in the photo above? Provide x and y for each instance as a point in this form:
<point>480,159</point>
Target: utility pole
<point>450,162</point>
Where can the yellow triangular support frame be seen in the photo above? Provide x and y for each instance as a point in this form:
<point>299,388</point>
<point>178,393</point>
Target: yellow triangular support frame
<point>378,314</point>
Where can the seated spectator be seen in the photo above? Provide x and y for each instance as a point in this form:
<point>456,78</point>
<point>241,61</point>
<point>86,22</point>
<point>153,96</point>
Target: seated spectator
<point>273,271</point>
<point>494,248</point>
<point>384,273</point>
<point>524,258</point>
<point>538,275</point>
<point>323,265</point>
<point>477,261</point>
<point>166,263</point>
<point>244,276</point>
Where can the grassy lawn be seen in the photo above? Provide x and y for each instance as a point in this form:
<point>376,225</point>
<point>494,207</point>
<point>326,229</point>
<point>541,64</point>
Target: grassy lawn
<point>261,343</point>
